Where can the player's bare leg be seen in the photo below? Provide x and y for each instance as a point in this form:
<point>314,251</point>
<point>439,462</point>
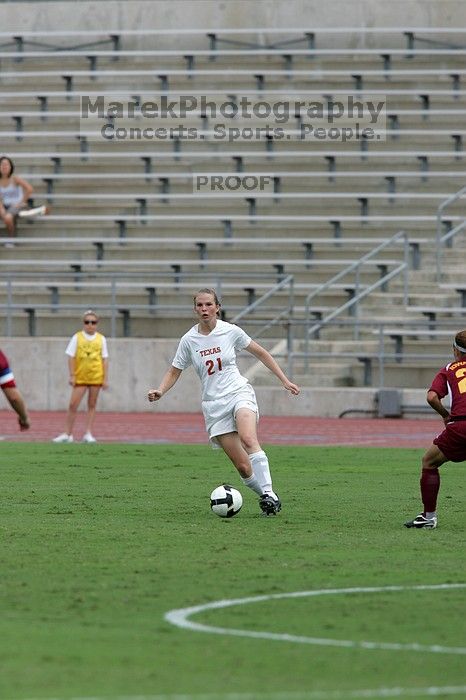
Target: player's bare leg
<point>231,445</point>
<point>77,394</point>
<point>246,422</point>
<point>10,224</point>
<point>91,410</point>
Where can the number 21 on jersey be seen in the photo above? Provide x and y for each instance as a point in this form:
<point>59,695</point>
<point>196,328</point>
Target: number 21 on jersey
<point>211,368</point>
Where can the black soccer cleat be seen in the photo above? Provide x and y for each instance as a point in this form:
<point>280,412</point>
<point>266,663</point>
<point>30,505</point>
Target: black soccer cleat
<point>269,505</point>
<point>421,521</point>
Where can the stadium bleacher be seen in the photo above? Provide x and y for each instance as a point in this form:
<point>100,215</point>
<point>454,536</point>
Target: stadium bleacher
<point>128,207</point>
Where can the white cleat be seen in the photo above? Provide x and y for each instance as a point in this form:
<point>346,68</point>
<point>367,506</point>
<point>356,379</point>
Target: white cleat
<point>88,437</point>
<point>64,437</point>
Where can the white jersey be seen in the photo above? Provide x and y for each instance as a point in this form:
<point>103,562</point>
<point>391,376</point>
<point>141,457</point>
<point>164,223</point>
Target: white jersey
<point>213,357</point>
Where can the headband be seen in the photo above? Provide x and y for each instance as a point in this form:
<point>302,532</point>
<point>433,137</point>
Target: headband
<point>458,347</point>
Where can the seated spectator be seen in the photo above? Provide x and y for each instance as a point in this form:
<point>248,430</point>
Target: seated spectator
<point>14,194</point>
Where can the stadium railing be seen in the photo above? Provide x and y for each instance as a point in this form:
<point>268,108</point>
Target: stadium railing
<point>178,265</point>
<point>399,335</point>
<point>169,176</point>
<point>249,197</point>
<point>121,289</point>
<point>227,207</point>
<point>213,54</point>
<point>443,238</point>
<point>190,56</point>
<point>400,96</point>
<point>256,77</point>
<point>369,359</point>
<point>240,157</point>
<point>233,224</point>
<point>435,312</point>
<point>313,251</point>
<point>209,135</point>
<point>246,37</point>
<point>459,287</point>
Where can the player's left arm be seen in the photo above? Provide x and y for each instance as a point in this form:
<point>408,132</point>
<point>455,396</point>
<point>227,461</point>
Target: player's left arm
<point>266,358</point>
<point>105,367</point>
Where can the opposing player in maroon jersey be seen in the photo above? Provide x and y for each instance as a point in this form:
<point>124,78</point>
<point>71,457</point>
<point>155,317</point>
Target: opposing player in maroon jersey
<point>16,401</point>
<point>450,445</point>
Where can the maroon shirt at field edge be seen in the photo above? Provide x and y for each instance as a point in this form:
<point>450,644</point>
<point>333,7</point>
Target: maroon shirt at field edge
<point>7,379</point>
<point>452,380</point>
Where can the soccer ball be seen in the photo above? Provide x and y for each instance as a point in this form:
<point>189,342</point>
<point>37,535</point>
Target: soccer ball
<point>226,501</point>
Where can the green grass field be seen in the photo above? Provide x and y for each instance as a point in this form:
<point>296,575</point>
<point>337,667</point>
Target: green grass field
<point>99,542</point>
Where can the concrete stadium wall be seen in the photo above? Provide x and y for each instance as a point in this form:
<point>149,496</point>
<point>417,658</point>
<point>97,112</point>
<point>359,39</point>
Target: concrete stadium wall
<point>211,14</point>
<point>135,366</point>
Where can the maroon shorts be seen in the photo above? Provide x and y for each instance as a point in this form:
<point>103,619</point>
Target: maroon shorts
<point>452,442</point>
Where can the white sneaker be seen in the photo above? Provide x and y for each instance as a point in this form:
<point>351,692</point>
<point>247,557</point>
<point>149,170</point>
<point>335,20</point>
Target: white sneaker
<point>64,437</point>
<point>88,437</point>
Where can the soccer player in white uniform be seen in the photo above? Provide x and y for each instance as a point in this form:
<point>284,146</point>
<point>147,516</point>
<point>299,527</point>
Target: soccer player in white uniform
<point>228,400</point>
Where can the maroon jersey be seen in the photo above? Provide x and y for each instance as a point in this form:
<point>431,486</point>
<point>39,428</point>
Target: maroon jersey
<point>6,375</point>
<point>452,381</point>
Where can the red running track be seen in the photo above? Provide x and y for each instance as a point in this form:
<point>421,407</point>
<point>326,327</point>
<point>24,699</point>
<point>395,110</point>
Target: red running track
<point>189,428</point>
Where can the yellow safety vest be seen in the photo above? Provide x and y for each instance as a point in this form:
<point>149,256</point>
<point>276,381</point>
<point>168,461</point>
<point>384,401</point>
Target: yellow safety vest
<point>89,368</point>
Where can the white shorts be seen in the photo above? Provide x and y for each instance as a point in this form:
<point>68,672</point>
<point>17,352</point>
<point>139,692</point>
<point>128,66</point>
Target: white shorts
<point>220,415</point>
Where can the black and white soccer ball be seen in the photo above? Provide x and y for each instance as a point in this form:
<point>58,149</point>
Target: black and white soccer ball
<point>226,501</point>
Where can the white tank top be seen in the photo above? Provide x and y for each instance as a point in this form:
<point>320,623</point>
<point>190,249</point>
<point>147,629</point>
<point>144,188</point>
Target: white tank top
<point>11,194</point>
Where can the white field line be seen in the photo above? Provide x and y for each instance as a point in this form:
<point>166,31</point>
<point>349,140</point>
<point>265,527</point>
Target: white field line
<point>364,694</point>
<point>180,618</point>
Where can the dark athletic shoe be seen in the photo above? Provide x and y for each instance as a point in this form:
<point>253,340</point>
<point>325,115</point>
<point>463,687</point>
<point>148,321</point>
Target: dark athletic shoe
<point>269,505</point>
<point>421,521</point>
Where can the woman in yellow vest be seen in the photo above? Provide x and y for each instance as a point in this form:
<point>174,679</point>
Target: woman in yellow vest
<point>88,368</point>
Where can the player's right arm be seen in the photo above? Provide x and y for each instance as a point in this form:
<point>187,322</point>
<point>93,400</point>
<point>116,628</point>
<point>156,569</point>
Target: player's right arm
<point>170,377</point>
<point>17,404</point>
<point>71,370</point>
<point>434,401</point>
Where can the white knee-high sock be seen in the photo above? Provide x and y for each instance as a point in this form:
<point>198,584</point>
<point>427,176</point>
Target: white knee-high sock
<point>261,470</point>
<point>252,483</point>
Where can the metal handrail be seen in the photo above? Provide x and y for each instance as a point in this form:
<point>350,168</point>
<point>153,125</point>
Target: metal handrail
<point>442,239</point>
<point>113,282</point>
<point>371,359</point>
<point>288,281</point>
<point>359,293</point>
